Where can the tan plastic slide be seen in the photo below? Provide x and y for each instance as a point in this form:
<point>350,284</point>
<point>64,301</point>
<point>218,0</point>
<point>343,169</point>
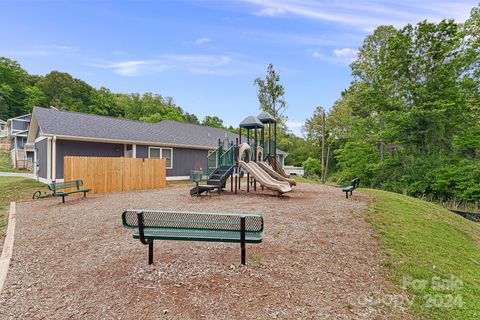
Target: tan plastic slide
<point>258,174</point>
<point>280,169</point>
<point>274,174</point>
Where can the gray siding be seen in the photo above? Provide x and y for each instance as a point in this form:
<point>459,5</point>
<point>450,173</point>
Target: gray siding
<point>184,160</point>
<point>85,149</point>
<point>41,150</point>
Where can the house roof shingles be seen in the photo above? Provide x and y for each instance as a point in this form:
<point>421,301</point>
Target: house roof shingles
<point>66,123</point>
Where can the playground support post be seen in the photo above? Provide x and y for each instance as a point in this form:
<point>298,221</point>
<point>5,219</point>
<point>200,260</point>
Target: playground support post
<point>262,141</point>
<point>248,174</point>
<point>236,164</point>
<point>255,157</point>
<point>275,139</point>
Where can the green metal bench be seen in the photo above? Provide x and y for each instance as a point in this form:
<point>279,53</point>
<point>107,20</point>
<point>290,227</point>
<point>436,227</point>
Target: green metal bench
<point>193,226</point>
<point>57,187</point>
<point>350,188</point>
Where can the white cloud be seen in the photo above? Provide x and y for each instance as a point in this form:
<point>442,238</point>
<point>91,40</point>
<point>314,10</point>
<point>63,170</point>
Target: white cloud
<point>306,39</point>
<point>55,47</point>
<point>317,54</point>
<point>366,14</point>
<point>222,65</point>
<point>133,67</point>
<point>343,56</point>
<point>345,53</point>
<point>270,11</point>
<point>201,41</point>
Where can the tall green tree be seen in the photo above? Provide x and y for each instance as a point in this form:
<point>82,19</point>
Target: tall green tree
<point>271,95</point>
<point>316,133</point>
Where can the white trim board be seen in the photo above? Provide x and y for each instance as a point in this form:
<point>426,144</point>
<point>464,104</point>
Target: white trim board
<point>160,149</point>
<point>174,178</point>
<point>44,181</point>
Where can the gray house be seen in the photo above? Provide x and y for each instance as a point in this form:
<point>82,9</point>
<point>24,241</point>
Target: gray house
<point>54,134</point>
<point>16,130</point>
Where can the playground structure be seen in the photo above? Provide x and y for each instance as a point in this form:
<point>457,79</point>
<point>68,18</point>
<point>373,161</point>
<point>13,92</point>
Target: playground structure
<point>256,158</point>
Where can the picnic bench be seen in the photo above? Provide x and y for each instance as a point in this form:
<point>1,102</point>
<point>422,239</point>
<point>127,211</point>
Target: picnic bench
<point>193,226</point>
<point>57,187</point>
<point>350,188</point>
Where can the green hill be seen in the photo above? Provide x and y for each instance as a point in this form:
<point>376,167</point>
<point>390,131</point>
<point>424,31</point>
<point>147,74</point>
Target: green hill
<point>432,254</point>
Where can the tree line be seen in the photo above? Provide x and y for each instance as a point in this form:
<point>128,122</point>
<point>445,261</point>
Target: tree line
<point>20,92</point>
<point>410,120</point>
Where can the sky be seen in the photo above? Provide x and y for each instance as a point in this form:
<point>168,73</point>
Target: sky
<point>205,53</point>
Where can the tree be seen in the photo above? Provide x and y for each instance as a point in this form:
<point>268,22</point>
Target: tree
<point>191,118</point>
<point>271,96</point>
<point>410,120</point>
<point>65,92</point>
<point>312,168</point>
<point>315,131</point>
<point>212,121</point>
<point>13,82</point>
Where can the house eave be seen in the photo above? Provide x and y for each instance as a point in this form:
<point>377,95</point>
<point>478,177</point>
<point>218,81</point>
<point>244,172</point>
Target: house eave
<point>120,141</point>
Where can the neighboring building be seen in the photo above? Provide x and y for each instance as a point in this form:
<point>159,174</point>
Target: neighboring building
<point>3,128</point>
<point>295,171</point>
<point>54,134</point>
<point>16,132</point>
<point>281,156</point>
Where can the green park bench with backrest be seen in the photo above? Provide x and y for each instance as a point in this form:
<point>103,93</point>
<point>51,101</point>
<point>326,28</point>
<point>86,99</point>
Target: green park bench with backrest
<point>350,188</point>
<point>193,226</point>
<point>59,188</point>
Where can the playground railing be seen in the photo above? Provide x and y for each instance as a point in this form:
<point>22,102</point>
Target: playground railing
<point>227,158</point>
<point>212,161</point>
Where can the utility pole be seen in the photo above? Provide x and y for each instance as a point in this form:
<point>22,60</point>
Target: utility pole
<point>326,165</point>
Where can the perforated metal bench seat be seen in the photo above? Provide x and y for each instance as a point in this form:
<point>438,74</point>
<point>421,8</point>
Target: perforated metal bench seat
<point>59,194</point>
<point>199,235</point>
<point>153,225</point>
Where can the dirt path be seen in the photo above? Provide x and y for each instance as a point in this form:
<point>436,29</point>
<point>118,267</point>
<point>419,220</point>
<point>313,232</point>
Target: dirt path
<point>318,260</point>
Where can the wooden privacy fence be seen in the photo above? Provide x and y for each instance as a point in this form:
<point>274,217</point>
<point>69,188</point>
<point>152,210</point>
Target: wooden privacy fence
<point>115,174</point>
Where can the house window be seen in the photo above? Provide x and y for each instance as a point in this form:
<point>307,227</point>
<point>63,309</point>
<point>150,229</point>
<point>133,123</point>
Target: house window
<point>162,153</point>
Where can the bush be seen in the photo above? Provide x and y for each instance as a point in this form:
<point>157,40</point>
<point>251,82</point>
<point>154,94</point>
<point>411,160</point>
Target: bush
<point>312,167</point>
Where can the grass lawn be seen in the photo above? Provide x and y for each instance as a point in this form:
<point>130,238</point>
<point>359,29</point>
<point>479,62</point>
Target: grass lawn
<point>5,165</point>
<point>13,189</point>
<point>431,252</point>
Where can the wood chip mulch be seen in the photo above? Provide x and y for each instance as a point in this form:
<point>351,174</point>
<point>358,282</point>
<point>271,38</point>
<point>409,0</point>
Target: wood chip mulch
<point>319,260</point>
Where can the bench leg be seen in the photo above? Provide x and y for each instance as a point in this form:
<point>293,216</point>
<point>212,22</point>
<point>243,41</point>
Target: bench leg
<point>351,192</point>
<point>84,194</point>
<point>63,199</point>
<point>242,240</point>
<point>150,252</point>
<point>346,194</point>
